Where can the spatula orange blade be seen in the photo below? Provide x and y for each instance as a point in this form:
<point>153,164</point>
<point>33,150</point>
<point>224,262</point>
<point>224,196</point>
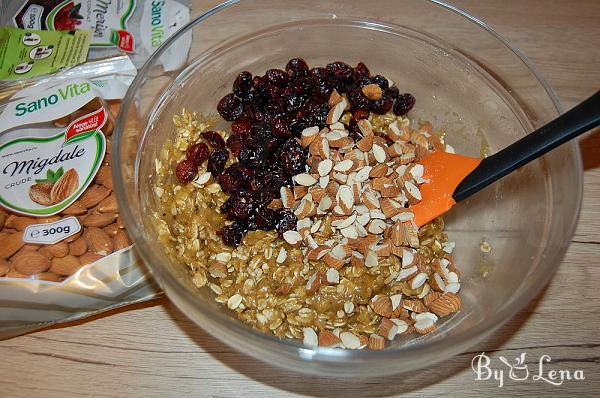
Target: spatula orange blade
<point>444,171</point>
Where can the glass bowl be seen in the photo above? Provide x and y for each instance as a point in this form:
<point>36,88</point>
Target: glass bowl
<point>467,80</point>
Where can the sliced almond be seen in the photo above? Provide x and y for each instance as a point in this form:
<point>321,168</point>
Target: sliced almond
<point>217,269</point>
<point>299,191</point>
<point>344,165</point>
<point>292,237</point>
<point>418,280</point>
<point>275,204</point>
<point>365,143</point>
<point>328,339</point>
<point>370,200</point>
<point>345,198</point>
<point>336,111</point>
<point>287,197</point>
<point>310,338</point>
<point>379,170</point>
<point>308,135</point>
<point>334,98</point>
<point>305,179</point>
<point>313,283</point>
<point>333,261</point>
<point>407,273</point>
<point>412,193</point>
<point>388,329</point>
<point>424,326</point>
<point>430,298</point>
<point>371,259</point>
<point>414,305</point>
<point>350,340</point>
<point>376,342</point>
<point>325,167</point>
<point>379,153</point>
<point>332,276</point>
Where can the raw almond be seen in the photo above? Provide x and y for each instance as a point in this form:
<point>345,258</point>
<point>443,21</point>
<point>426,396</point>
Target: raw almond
<point>66,265</point>
<point>78,247</point>
<point>47,276</point>
<point>89,257</point>
<point>30,262</point>
<point>4,267</point>
<point>381,305</point>
<point>59,249</point>
<point>104,177</point>
<point>94,195</point>
<point>108,205</point>
<point>10,244</point>
<point>76,208</point>
<point>99,219</point>
<point>98,241</point>
<point>121,240</point>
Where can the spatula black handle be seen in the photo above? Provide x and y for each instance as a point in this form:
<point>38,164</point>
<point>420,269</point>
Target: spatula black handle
<point>578,120</point>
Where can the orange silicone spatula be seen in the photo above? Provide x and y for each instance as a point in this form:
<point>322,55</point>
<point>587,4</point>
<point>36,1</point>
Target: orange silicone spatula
<point>453,178</point>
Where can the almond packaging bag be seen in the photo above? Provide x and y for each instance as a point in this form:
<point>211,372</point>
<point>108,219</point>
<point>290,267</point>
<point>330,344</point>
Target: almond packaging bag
<point>64,251</point>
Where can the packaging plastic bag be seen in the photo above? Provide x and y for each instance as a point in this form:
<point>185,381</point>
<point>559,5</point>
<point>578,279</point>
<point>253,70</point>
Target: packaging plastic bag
<point>135,27</point>
<point>64,252</point>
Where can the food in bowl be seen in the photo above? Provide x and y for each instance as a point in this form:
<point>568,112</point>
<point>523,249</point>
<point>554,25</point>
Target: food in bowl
<point>297,216</point>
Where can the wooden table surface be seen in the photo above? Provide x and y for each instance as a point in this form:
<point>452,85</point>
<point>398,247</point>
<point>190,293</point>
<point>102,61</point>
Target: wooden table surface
<point>154,350</point>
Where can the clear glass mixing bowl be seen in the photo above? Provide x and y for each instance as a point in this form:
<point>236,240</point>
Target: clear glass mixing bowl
<point>467,80</point>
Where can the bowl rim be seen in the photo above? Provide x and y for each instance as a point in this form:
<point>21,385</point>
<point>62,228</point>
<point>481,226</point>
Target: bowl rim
<point>473,335</point>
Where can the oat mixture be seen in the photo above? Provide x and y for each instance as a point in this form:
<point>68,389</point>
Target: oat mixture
<point>315,239</point>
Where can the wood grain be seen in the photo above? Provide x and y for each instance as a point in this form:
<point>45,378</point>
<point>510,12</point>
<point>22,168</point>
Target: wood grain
<point>154,350</point>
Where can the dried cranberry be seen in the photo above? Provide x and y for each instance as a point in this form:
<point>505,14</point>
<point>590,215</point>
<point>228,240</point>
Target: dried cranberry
<point>277,76</point>
<point>266,218</point>
<point>242,84</point>
<point>197,153</point>
<point>381,81</point>
<point>286,221</point>
<point>231,179</point>
<point>361,70</point>
<point>214,139</point>
<point>186,170</point>
<point>217,160</point>
<point>392,92</point>
<point>301,85</point>
<point>297,67</point>
<point>256,184</point>
<point>226,206</point>
<point>360,114</point>
<point>232,234</point>
<point>341,71</point>
<point>297,125</point>
<point>292,157</point>
<point>358,100</point>
<point>382,105</point>
<point>281,127</point>
<point>322,89</point>
<point>404,103</point>
<point>242,126</point>
<point>273,180</point>
<point>230,107</point>
<point>263,198</point>
<point>242,205</point>
<point>234,143</point>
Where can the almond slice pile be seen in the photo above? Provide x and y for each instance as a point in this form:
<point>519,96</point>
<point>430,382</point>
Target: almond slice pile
<point>363,191</point>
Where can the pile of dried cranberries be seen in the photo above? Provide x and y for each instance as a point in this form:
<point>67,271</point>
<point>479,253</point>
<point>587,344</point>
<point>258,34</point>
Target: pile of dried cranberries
<point>268,114</point>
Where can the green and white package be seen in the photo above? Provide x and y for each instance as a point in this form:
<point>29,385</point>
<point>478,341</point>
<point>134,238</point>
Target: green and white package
<point>132,26</point>
<point>34,152</point>
<point>26,53</point>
